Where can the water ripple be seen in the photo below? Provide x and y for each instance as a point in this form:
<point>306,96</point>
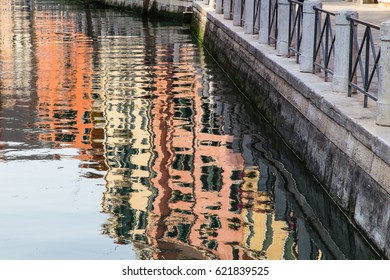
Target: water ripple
<point>102,111</point>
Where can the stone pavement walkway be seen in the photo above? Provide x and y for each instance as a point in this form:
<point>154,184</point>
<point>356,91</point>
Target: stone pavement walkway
<point>372,13</point>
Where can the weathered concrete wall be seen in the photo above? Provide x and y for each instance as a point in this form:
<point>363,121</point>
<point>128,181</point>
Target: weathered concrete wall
<point>162,6</point>
<point>325,129</point>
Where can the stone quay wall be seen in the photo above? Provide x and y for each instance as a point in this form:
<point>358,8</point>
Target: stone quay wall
<point>337,139</point>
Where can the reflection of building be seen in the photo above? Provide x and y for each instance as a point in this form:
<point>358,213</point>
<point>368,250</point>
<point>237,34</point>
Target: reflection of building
<point>127,143</point>
<point>128,154</point>
<point>17,74</point>
<point>175,186</point>
<point>46,65</point>
<point>264,235</point>
<point>64,73</point>
<point>183,179</point>
<point>207,198</point>
<point>180,179</point>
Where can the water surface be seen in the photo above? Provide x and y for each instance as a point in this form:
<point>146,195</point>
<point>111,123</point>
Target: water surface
<point>121,139</point>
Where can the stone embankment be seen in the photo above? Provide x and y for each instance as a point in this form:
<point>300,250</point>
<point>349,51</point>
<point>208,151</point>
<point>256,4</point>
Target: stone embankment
<point>339,140</point>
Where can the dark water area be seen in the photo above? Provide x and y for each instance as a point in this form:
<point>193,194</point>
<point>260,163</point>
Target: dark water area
<point>121,139</point>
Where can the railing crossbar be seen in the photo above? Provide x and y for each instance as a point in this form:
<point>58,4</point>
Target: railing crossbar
<point>368,94</point>
<point>324,68</point>
<point>359,21</point>
<point>323,11</point>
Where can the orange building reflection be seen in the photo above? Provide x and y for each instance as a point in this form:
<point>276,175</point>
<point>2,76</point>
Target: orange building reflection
<point>64,81</point>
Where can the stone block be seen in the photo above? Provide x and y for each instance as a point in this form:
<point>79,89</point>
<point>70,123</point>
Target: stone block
<point>372,213</point>
<point>316,153</point>
<point>317,118</point>
<point>337,134</point>
<point>341,181</point>
<point>300,102</point>
<point>299,142</point>
<point>362,156</point>
<point>380,172</point>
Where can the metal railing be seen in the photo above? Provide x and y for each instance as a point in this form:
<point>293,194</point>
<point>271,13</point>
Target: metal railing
<point>295,28</point>
<point>273,22</point>
<point>364,56</point>
<point>256,16</point>
<point>363,60</point>
<point>231,9</point>
<point>242,14</point>
<point>324,39</point>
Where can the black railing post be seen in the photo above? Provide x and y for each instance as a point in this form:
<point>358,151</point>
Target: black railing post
<point>315,39</point>
<point>273,21</point>
<point>367,65</point>
<point>351,43</point>
<point>299,33</point>
<point>270,19</point>
<point>290,32</point>
<point>326,53</point>
<point>242,21</point>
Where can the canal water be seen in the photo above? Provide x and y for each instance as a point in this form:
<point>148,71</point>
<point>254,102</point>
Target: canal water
<point>120,138</point>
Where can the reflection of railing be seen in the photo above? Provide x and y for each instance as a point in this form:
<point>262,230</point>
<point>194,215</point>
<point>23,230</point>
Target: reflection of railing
<point>364,50</point>
<point>324,43</point>
<point>295,28</point>
<point>273,22</point>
